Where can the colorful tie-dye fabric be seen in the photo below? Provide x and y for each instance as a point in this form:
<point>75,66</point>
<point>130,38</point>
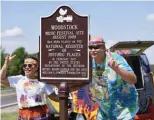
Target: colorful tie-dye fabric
<point>30,92</point>
<point>117,99</point>
<point>47,116</point>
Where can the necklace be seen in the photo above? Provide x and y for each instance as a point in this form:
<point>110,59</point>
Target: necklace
<point>101,79</point>
<point>100,68</point>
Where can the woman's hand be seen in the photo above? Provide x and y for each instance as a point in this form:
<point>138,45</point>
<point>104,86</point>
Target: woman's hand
<point>9,58</point>
<point>4,80</point>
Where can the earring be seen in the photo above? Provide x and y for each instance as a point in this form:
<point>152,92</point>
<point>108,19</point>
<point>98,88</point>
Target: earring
<point>36,74</point>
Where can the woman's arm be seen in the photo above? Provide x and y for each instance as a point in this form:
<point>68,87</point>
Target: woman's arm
<point>4,80</point>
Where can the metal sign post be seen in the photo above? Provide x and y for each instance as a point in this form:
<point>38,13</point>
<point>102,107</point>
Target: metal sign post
<point>63,99</point>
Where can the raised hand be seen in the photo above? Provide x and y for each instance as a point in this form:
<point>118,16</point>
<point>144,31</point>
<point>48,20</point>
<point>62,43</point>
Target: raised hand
<point>9,58</point>
<point>111,62</point>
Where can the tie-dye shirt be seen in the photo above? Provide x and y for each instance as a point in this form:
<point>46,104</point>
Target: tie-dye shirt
<point>30,92</point>
<point>117,99</point>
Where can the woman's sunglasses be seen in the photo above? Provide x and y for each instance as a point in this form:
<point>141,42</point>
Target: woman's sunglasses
<point>94,47</point>
<point>29,65</point>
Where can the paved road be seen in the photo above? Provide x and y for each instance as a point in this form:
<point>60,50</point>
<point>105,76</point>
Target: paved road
<point>8,97</point>
<point>8,101</point>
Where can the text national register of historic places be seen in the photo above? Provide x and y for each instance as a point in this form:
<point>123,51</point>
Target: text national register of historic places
<point>64,46</point>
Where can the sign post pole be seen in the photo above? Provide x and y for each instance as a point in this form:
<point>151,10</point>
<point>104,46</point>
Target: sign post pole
<point>63,98</point>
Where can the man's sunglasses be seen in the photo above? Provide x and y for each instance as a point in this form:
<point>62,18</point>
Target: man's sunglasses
<point>95,46</point>
<point>29,65</point>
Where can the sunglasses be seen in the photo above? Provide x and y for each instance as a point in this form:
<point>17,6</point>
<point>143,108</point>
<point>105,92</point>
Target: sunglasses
<point>95,46</point>
<point>29,65</point>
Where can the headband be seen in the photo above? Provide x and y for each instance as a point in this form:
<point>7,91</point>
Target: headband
<point>96,42</point>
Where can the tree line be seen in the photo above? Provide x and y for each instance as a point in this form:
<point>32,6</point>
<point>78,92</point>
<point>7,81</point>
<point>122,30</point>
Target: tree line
<point>16,66</point>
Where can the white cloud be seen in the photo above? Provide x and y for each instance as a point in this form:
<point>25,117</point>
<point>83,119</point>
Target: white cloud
<point>150,17</point>
<point>11,45</point>
<point>14,32</point>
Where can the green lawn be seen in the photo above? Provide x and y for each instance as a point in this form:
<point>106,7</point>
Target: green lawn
<point>9,116</point>
<point>14,116</point>
<point>5,88</point>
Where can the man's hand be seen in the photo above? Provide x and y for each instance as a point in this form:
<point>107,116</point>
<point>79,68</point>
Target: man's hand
<point>127,76</point>
<point>111,62</point>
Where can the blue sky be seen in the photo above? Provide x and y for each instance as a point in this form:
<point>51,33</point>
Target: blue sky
<point>114,21</point>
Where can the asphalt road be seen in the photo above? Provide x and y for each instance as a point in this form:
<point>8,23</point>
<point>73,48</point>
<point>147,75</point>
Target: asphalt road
<point>8,97</point>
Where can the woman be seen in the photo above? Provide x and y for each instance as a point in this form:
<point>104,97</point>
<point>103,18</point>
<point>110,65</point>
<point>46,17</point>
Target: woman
<point>31,93</point>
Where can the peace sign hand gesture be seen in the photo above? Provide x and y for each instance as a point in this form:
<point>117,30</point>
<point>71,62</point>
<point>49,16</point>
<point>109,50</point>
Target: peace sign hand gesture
<point>111,62</point>
<point>9,58</point>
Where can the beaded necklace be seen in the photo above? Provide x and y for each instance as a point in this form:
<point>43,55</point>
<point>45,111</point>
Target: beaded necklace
<point>100,79</point>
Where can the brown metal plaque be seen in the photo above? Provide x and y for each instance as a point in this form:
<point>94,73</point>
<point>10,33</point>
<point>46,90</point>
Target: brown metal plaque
<point>64,46</point>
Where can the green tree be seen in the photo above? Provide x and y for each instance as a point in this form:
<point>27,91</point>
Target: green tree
<point>16,66</point>
<point>2,56</point>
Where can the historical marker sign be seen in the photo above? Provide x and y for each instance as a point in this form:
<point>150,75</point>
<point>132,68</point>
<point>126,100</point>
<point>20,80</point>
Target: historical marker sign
<point>64,46</point>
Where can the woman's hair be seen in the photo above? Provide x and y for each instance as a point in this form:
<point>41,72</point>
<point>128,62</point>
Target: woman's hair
<point>34,58</point>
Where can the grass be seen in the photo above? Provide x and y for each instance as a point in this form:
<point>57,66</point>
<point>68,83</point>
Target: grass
<point>9,116</point>
<point>5,88</point>
<point>14,116</point>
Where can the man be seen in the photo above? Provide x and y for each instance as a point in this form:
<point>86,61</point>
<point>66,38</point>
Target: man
<point>112,83</point>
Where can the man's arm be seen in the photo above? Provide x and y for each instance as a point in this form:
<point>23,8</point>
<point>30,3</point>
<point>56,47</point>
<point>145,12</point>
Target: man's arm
<point>4,80</point>
<point>127,76</point>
